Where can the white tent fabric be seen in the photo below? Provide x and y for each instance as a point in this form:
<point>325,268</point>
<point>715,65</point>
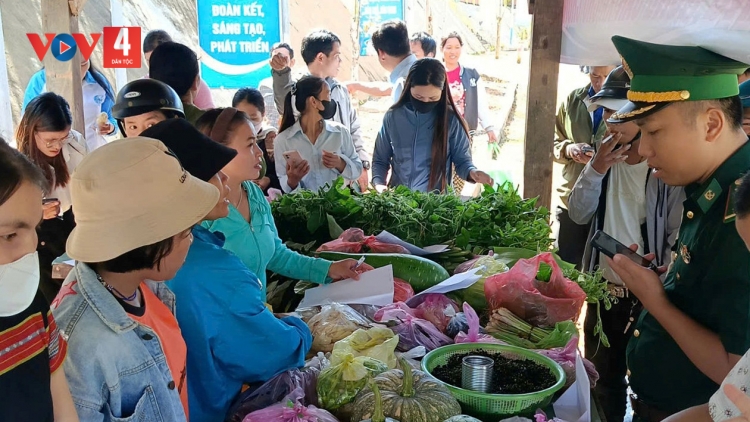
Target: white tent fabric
<point>722,26</point>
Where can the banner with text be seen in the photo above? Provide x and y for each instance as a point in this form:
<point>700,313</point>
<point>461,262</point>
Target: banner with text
<point>235,38</point>
<point>371,14</point>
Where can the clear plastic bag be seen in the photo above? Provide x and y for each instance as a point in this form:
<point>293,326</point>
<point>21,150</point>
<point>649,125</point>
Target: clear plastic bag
<point>291,409</point>
<point>457,324</point>
<point>339,384</point>
<point>438,309</point>
<point>334,322</point>
<point>539,303</point>
<point>412,357</point>
<point>473,335</point>
<point>377,342</point>
<point>413,331</point>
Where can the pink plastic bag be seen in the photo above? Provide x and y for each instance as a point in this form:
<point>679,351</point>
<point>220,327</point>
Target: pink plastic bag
<point>291,410</point>
<point>351,240</point>
<point>473,336</point>
<point>402,291</point>
<point>377,246</point>
<point>438,309</point>
<point>380,314</point>
<point>566,357</point>
<point>412,331</point>
<point>539,303</point>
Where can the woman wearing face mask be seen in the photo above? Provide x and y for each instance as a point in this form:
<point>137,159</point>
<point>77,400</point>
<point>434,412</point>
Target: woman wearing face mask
<point>98,98</point>
<point>31,377</point>
<point>423,136</point>
<point>127,359</point>
<point>219,306</point>
<point>45,136</point>
<point>326,148</point>
<point>143,103</point>
<point>251,101</point>
<point>249,229</point>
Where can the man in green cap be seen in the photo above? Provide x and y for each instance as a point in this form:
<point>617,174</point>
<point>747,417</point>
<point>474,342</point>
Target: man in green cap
<point>695,326</point>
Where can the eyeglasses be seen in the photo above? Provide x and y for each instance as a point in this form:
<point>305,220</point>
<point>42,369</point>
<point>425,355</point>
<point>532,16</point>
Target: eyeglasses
<point>61,142</point>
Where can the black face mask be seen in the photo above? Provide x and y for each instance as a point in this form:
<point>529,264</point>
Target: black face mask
<point>423,106</point>
<point>329,109</point>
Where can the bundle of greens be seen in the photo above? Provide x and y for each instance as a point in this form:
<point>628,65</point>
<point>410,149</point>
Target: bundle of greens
<point>507,327</point>
<point>499,217</point>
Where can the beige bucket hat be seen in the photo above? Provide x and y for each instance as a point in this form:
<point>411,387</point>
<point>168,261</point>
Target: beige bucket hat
<point>131,193</point>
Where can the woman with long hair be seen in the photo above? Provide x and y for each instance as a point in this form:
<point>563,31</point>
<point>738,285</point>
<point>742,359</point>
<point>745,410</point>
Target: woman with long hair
<point>249,229</point>
<point>325,147</point>
<point>98,99</point>
<point>45,136</point>
<point>31,375</point>
<point>423,136</point>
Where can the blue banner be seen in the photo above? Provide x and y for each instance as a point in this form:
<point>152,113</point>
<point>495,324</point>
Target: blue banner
<point>236,37</point>
<point>372,14</point>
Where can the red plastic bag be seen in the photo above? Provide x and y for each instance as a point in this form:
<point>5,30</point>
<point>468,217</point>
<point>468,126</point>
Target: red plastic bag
<point>402,291</point>
<point>351,240</point>
<point>377,246</point>
<point>291,409</point>
<point>473,335</point>
<point>539,303</point>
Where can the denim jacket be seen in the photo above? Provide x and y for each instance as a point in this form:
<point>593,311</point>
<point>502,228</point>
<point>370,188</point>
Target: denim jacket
<point>116,367</point>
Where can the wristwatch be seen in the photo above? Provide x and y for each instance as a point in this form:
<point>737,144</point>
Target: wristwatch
<point>365,164</point>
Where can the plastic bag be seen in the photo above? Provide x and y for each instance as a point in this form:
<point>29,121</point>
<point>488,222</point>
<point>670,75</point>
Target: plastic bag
<point>291,409</point>
<point>566,357</point>
<point>339,384</point>
<point>402,291</point>
<point>457,324</point>
<point>413,331</point>
<point>333,323</point>
<point>412,355</point>
<point>351,240</point>
<point>377,246</point>
<point>473,336</point>
<point>540,303</point>
<point>380,314</point>
<point>438,309</point>
<point>377,342</point>
<point>475,294</point>
<point>274,390</point>
<point>368,311</point>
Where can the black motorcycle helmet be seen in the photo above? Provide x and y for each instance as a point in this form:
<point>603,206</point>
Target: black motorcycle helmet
<point>144,95</point>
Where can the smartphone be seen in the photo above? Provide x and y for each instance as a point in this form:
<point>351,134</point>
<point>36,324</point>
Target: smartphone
<point>607,245</point>
<point>292,157</point>
<point>48,200</point>
<point>588,150</point>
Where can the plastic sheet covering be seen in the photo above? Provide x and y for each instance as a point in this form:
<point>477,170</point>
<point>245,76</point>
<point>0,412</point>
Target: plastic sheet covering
<point>722,26</point>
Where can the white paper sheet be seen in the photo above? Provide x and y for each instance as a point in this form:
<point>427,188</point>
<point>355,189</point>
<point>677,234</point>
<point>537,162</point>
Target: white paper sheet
<point>387,237</point>
<point>575,404</point>
<point>457,282</point>
<point>71,262</point>
<point>373,288</point>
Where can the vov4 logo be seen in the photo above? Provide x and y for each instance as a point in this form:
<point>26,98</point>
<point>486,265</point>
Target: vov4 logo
<point>121,46</point>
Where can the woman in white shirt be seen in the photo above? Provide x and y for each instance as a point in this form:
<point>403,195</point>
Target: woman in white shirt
<point>45,136</point>
<point>324,149</point>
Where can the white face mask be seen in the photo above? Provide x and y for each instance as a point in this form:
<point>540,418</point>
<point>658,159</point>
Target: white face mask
<point>19,281</point>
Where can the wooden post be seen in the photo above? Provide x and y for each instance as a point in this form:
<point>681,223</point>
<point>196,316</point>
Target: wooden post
<point>63,78</point>
<point>428,12</point>
<point>546,36</point>
<point>499,29</point>
<point>355,37</point>
<point>117,17</point>
<point>6,117</point>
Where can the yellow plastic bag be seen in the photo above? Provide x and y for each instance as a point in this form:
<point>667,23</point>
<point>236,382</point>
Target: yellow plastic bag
<point>340,383</point>
<point>377,342</point>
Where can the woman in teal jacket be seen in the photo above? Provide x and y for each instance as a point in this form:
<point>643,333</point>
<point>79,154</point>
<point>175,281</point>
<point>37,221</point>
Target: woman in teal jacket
<point>227,328</point>
<point>249,229</point>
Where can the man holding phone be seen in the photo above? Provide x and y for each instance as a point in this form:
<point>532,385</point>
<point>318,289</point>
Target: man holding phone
<point>696,325</point>
<point>616,195</point>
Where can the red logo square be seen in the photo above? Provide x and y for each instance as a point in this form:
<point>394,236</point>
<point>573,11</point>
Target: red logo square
<point>122,47</point>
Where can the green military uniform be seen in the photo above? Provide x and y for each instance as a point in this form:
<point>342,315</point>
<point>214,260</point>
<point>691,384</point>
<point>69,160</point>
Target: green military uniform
<point>710,278</point>
<point>192,113</point>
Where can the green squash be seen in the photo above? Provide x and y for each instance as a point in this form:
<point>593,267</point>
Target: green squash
<point>377,415</point>
<point>462,418</point>
<point>407,395</point>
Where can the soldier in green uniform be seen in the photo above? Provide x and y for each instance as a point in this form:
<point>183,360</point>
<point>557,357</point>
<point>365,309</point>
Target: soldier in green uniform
<point>695,326</point>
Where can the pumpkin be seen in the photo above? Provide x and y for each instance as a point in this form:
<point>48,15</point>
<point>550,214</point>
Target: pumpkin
<point>462,418</point>
<point>407,395</point>
<point>377,415</point>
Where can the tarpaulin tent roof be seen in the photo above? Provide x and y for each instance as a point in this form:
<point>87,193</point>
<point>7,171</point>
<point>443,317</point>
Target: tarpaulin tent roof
<point>722,26</point>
